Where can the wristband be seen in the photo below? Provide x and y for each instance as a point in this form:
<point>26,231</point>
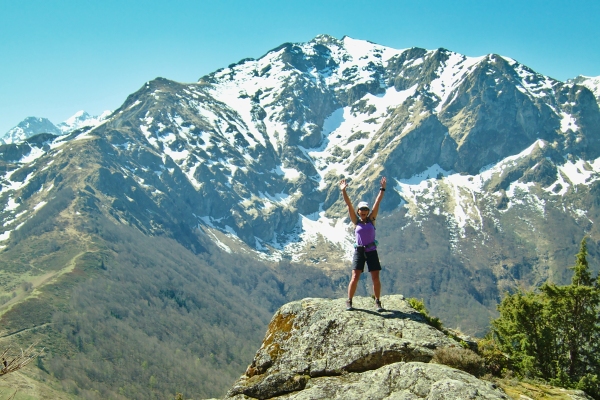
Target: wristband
<point>382,189</point>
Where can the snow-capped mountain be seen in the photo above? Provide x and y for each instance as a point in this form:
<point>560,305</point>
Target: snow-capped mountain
<point>81,119</point>
<point>32,126</point>
<point>305,115</point>
<point>486,161</point>
<point>590,82</point>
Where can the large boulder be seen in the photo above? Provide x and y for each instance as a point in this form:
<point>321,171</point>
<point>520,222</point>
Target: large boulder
<point>315,349</point>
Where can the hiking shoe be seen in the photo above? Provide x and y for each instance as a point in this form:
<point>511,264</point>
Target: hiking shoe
<point>349,305</point>
<point>378,305</point>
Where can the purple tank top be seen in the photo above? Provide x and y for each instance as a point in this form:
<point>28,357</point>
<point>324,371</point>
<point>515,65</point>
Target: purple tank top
<point>365,234</point>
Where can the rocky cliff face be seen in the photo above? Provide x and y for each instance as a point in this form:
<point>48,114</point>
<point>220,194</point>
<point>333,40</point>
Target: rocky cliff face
<point>314,349</point>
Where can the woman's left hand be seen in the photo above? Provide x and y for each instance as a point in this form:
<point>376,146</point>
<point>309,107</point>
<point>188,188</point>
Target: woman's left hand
<point>343,185</point>
<point>383,182</point>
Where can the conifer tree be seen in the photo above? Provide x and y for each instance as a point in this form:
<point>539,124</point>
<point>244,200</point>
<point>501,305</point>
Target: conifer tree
<point>523,334</point>
<point>572,312</point>
<point>554,333</point>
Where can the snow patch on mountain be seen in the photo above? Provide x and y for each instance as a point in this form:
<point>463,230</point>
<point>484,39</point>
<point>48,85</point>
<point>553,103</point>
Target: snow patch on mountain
<point>357,59</point>
<point>346,130</point>
<point>362,51</point>
<point>236,95</point>
<point>581,172</point>
<point>568,122</point>
<point>460,197</point>
<point>314,226</point>
<point>309,231</point>
<point>534,84</point>
<point>450,74</point>
<point>446,193</point>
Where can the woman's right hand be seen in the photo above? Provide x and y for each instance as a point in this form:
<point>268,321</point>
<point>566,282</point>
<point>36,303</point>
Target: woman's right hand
<point>343,185</point>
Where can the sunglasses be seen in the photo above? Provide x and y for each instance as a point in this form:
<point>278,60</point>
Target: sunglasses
<point>363,209</point>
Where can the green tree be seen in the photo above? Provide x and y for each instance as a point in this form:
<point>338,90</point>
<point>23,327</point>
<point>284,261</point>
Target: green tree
<point>523,333</point>
<point>573,313</point>
<point>554,333</point>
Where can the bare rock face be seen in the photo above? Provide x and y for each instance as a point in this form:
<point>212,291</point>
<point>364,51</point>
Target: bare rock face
<point>315,349</point>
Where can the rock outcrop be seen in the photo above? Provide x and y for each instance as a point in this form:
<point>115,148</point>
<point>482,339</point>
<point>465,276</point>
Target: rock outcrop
<point>315,349</point>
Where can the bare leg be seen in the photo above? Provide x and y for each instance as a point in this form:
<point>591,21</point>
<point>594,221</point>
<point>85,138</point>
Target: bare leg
<point>376,284</point>
<point>353,282</point>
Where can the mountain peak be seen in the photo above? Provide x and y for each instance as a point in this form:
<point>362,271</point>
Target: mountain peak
<point>29,127</point>
<point>81,119</point>
<point>32,126</point>
<point>325,39</point>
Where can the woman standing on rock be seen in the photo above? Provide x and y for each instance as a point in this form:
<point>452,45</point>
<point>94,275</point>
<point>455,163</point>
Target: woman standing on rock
<point>365,246</point>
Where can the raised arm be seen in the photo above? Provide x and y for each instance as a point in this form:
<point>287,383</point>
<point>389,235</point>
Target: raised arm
<point>375,209</point>
<point>351,212</point>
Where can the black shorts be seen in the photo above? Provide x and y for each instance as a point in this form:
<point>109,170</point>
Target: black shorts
<point>370,257</point>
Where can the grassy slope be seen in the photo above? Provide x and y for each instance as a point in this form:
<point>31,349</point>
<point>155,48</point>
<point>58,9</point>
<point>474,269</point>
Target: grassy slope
<point>130,316</point>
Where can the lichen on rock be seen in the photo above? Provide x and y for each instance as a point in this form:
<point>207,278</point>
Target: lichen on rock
<point>315,349</point>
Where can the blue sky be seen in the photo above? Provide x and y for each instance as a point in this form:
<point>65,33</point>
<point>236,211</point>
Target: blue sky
<point>61,56</point>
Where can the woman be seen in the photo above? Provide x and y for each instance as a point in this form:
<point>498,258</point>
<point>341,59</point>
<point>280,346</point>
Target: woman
<point>365,246</point>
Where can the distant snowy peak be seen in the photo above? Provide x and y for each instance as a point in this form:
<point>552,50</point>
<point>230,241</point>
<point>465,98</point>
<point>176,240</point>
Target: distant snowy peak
<point>81,119</point>
<point>590,82</point>
<point>32,126</point>
<point>29,127</point>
